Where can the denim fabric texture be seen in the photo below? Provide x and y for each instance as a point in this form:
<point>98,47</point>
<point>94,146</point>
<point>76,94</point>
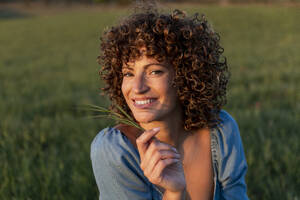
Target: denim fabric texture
<point>115,163</point>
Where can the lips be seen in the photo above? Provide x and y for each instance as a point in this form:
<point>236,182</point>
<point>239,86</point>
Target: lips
<point>143,102</point>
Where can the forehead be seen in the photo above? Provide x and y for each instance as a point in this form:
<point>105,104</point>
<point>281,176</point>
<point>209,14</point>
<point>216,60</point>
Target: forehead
<point>145,62</point>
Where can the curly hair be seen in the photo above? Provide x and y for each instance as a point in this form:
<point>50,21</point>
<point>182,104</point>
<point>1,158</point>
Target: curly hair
<point>191,46</point>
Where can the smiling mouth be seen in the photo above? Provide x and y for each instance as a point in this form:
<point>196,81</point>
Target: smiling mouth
<point>143,103</point>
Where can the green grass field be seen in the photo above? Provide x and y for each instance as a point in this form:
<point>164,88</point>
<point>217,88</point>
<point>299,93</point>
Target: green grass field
<point>48,66</point>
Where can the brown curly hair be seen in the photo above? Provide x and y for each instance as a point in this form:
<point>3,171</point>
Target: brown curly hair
<point>191,46</point>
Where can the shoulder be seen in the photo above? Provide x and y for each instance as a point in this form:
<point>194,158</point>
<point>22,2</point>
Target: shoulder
<point>227,132</point>
<point>111,145</point>
<point>228,156</point>
<point>227,123</point>
<point>226,139</point>
<point>115,163</point>
<point>226,143</point>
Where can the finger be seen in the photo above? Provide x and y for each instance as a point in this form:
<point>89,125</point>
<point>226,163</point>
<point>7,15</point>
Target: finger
<point>142,141</point>
<point>155,145</point>
<point>157,176</point>
<point>155,158</point>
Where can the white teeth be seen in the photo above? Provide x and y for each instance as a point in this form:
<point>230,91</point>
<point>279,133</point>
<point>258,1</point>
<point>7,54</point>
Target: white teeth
<point>144,102</point>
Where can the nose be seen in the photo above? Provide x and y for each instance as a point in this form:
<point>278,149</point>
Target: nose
<point>140,84</point>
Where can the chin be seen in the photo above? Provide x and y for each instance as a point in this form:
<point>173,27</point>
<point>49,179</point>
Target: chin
<point>144,118</point>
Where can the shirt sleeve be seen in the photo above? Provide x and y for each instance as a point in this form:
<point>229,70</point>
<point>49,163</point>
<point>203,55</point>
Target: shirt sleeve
<point>232,162</point>
<point>116,168</point>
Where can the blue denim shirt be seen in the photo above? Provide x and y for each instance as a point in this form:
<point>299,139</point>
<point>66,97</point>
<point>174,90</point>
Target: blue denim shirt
<point>115,163</point>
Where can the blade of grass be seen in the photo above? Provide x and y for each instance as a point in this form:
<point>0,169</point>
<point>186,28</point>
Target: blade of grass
<point>124,112</point>
<point>99,109</point>
<point>112,115</point>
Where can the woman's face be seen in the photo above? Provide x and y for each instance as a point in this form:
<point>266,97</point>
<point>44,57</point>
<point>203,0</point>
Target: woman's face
<point>148,91</point>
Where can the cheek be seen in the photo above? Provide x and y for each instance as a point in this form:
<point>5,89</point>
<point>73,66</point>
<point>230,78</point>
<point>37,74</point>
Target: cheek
<point>166,86</point>
<point>172,93</point>
<point>166,91</point>
<point>123,89</point>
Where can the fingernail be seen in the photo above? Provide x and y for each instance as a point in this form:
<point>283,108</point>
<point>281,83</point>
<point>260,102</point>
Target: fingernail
<point>156,129</point>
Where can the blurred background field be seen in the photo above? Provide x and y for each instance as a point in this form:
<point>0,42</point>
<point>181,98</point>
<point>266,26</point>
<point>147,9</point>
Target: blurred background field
<point>48,67</point>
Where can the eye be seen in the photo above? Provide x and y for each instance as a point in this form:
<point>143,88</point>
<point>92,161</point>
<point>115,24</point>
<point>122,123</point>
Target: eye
<point>156,72</point>
<point>127,74</point>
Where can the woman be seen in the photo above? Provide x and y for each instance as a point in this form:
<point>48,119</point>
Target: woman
<point>167,72</point>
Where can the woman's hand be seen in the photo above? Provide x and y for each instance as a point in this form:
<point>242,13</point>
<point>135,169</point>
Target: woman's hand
<point>161,162</point>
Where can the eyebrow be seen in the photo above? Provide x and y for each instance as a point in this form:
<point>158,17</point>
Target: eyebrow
<point>145,66</point>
